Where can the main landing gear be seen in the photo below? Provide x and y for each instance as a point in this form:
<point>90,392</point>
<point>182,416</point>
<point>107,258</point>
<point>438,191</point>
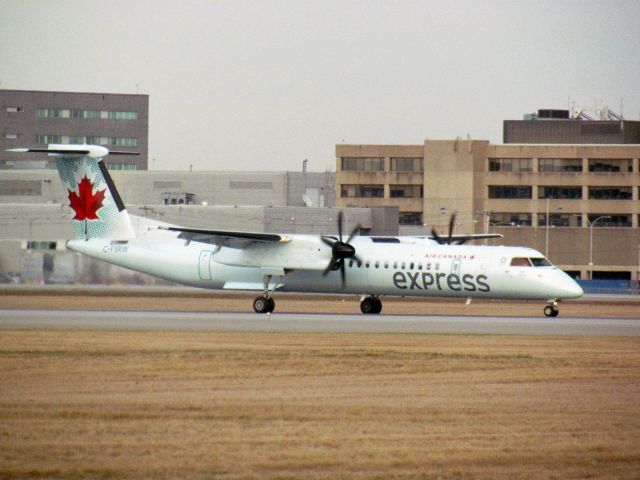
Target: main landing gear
<point>370,305</point>
<point>552,310</point>
<point>264,304</point>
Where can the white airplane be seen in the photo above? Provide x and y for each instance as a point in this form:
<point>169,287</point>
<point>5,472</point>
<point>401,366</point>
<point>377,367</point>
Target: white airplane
<point>430,266</point>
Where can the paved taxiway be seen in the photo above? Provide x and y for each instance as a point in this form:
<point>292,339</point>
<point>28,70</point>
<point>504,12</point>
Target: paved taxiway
<point>306,322</point>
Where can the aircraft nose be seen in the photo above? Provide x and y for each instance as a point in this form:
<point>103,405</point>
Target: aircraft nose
<point>570,288</point>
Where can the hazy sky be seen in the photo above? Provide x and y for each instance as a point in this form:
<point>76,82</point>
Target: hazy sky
<point>262,85</point>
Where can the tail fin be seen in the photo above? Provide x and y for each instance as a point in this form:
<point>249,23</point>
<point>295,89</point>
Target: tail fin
<point>98,210</point>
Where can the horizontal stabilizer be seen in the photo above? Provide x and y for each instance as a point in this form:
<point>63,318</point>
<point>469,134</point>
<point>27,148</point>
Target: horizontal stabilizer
<point>63,150</point>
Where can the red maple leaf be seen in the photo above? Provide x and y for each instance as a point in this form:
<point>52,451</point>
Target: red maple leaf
<point>86,204</point>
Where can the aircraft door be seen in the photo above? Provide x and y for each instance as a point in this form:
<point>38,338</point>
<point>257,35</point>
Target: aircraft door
<point>204,263</point>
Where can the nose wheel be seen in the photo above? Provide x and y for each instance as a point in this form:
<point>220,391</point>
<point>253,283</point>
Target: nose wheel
<point>264,304</point>
<point>551,311</point>
<point>370,305</point>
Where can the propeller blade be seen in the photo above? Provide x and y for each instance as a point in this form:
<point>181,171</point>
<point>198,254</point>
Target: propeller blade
<point>343,274</point>
<point>340,220</point>
<point>452,222</point>
<point>330,267</point>
<point>436,237</point>
<point>353,232</point>
<point>328,241</point>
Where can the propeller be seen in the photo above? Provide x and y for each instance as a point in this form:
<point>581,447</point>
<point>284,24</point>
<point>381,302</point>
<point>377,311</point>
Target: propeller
<point>448,240</point>
<point>340,250</point>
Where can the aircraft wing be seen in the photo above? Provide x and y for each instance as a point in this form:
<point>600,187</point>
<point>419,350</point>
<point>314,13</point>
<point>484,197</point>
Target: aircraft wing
<point>269,251</point>
<point>226,238</point>
<point>456,238</point>
<point>473,236</point>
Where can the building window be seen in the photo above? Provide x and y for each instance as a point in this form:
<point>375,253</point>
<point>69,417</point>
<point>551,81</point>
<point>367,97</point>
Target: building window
<point>13,109</point>
<point>406,191</point>
<point>77,140</point>
<point>177,198</point>
<point>560,220</point>
<point>610,193</point>
<point>122,142</point>
<point>515,165</point>
<point>509,191</point>
<point>32,245</point>
<point>52,113</point>
<point>122,166</point>
<point>91,114</point>
<point>123,116</point>
<point>571,193</point>
<point>410,218</point>
<point>362,191</point>
<point>510,219</point>
<point>407,164</point>
<point>13,136</point>
<point>610,220</point>
<point>363,164</point>
<point>45,139</point>
<point>551,165</point>
<point>610,165</point>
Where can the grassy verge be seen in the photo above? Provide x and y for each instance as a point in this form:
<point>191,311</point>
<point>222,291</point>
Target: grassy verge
<point>80,404</point>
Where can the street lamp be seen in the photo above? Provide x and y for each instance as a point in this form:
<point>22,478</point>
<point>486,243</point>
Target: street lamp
<point>546,234</point>
<point>591,224</point>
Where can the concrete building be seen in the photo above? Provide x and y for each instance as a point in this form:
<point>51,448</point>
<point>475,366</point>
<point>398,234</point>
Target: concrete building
<point>601,126</point>
<point>313,189</point>
<point>577,203</point>
<point>36,118</point>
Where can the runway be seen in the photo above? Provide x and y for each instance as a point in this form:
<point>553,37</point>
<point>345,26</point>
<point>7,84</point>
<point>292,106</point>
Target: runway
<point>310,322</point>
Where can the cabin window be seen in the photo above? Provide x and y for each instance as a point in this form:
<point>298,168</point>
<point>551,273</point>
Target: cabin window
<point>428,266</point>
<point>386,264</point>
<point>403,265</point>
<point>377,264</point>
<point>395,265</point>
<point>411,265</point>
<point>419,266</point>
<point>520,262</point>
<point>359,264</point>
<point>366,264</point>
<point>350,263</point>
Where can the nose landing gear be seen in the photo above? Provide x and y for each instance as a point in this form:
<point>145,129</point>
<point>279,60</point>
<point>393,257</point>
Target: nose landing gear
<point>370,304</point>
<point>552,310</point>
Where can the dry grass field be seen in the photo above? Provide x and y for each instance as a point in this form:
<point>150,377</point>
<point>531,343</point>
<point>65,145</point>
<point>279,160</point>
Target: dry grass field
<point>111,404</point>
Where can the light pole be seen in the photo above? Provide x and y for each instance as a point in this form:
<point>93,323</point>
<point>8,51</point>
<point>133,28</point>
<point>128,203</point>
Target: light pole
<point>591,224</point>
<point>546,236</point>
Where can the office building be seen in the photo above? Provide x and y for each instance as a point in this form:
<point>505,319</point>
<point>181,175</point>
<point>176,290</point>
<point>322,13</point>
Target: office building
<point>579,204</point>
<point>31,118</point>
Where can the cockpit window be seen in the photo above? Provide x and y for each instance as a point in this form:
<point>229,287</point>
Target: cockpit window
<point>520,262</point>
<point>540,262</point>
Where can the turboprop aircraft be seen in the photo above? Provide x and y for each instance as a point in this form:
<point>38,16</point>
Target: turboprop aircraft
<point>371,267</point>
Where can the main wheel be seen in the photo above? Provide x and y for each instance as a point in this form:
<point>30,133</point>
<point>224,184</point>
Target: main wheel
<point>368,305</point>
<point>378,305</point>
<point>551,311</point>
<point>272,305</point>
<point>263,305</point>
